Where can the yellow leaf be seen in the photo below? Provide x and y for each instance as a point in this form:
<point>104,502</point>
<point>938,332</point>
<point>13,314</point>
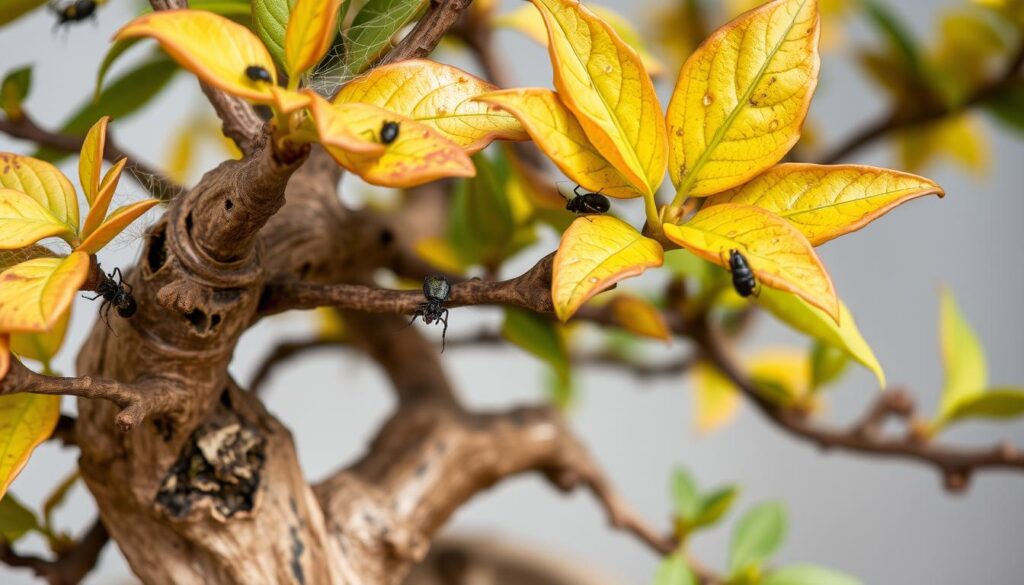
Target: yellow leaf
<point>24,222</point>
<point>742,97</point>
<point>26,420</point>
<point>595,253</point>
<point>602,81</point>
<point>35,293</point>
<point>114,224</point>
<point>958,138</point>
<point>217,50</point>
<point>43,182</point>
<point>783,375</point>
<point>418,155</point>
<point>825,202</point>
<point>557,133</point>
<point>637,315</point>
<point>90,162</point>
<point>311,29</point>
<point>529,22</point>
<point>717,400</point>
<point>5,354</point>
<point>438,96</point>
<point>287,101</point>
<point>780,256</point>
<point>335,131</point>
<point>962,355</point>
<point>101,203</point>
<point>845,336</point>
<point>440,254</point>
<point>42,346</point>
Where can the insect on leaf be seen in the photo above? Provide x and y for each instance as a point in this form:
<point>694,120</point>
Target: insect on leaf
<point>311,28</point>
<point>555,131</point>
<point>35,293</point>
<point>825,202</point>
<point>26,420</point>
<point>114,224</point>
<point>23,221</point>
<point>595,253</point>
<point>436,95</point>
<point>603,82</point>
<point>780,256</point>
<point>43,182</point>
<point>742,97</point>
<point>217,50</point>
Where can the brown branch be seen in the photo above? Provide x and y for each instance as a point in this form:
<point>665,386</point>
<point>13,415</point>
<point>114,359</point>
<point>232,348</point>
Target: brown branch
<point>956,464</point>
<point>136,401</point>
<point>71,566</point>
<point>896,120</point>
<point>153,181</point>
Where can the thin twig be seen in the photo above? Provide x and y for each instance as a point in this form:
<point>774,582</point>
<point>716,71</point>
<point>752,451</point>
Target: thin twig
<point>71,566</point>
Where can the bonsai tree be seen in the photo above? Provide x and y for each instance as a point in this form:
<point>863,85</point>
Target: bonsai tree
<point>197,482</point>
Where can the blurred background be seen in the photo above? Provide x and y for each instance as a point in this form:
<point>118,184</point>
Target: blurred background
<point>885,521</point>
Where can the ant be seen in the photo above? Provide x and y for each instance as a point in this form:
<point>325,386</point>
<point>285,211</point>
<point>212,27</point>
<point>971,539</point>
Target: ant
<point>436,289</point>
<point>257,73</point>
<point>743,279</point>
<point>75,11</point>
<point>388,132</point>
<point>587,202</point>
<point>117,294</point>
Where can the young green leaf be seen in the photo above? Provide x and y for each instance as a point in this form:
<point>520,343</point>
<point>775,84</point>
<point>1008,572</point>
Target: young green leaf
<point>372,29</point>
<point>674,571</point>
<point>962,355</point>
<point>14,89</point>
<point>714,505</point>
<point>808,575</point>
<point>482,226</point>
<point>827,364</point>
<point>685,495</point>
<point>15,519</point>
<point>758,534</point>
<point>539,336</point>
<point>997,403</point>
<point>270,20</point>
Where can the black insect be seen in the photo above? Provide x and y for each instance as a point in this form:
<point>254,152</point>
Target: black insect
<point>436,289</point>
<point>75,11</point>
<point>257,73</point>
<point>116,293</point>
<point>389,131</point>
<point>586,202</point>
<point>743,279</point>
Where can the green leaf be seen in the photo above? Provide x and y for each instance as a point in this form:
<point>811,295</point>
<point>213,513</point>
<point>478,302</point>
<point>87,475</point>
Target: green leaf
<point>234,9</point>
<point>270,20</point>
<point>15,519</point>
<point>540,337</point>
<point>803,317</point>
<point>114,53</point>
<point>714,505</point>
<point>482,226</point>
<point>372,29</point>
<point>122,98</point>
<point>962,356</point>
<point>827,364</point>
<point>998,403</point>
<point>757,536</point>
<point>11,10</point>
<point>809,575</point>
<point>685,494</point>
<point>895,32</point>
<point>1008,106</point>
<point>14,89</point>
<point>674,571</point>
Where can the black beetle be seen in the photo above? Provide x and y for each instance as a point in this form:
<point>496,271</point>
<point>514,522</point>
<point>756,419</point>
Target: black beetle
<point>743,279</point>
<point>587,202</point>
<point>257,73</point>
<point>436,289</point>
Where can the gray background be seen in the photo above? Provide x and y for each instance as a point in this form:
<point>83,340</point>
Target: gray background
<point>889,523</point>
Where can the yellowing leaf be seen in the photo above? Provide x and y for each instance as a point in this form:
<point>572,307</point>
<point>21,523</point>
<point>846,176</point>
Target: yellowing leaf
<point>742,97</point>
<point>335,131</point>
<point>287,101</point>
<point>602,81</point>
<point>114,224</point>
<point>41,346</point>
<point>311,29</point>
<point>43,182</point>
<point>998,403</point>
<point>962,356</point>
<point>529,22</point>
<point>440,254</point>
<point>780,256</point>
<point>90,162</point>
<point>5,354</point>
<point>24,222</point>
<point>215,49</point>
<point>637,315</point>
<point>101,203</point>
<point>436,95</point>
<point>959,138</point>
<point>26,420</point>
<point>783,375</point>
<point>418,155</point>
<point>800,315</point>
<point>35,293</point>
<point>595,253</point>
<point>717,400</point>
<point>825,202</point>
<point>556,132</point>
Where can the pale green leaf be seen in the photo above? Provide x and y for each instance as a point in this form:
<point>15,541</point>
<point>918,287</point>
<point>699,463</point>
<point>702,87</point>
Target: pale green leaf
<point>758,534</point>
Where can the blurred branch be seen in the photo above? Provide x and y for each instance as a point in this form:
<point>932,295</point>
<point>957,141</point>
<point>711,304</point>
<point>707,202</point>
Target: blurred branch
<point>65,431</point>
<point>897,121</point>
<point>71,566</point>
<point>954,463</point>
<point>155,182</point>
